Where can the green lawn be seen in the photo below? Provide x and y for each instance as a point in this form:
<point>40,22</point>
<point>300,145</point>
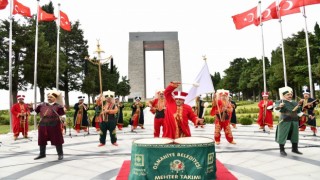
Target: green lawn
<point>4,129</point>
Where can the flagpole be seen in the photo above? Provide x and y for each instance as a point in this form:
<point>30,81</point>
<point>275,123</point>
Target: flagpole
<point>308,52</point>
<point>35,67</point>
<point>10,64</point>
<point>263,54</point>
<point>58,47</point>
<point>282,44</point>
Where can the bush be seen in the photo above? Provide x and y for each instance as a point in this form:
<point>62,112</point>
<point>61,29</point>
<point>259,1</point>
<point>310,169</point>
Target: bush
<point>209,119</point>
<point>126,120</point>
<point>70,113</point>
<point>246,121</point>
<point>247,110</point>
<point>4,120</point>
<point>242,103</point>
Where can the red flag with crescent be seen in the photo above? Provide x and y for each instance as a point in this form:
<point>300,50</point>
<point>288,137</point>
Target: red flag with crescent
<point>269,13</point>
<point>245,19</point>
<point>64,21</point>
<point>289,7</point>
<point>44,16</point>
<point>19,8</point>
<point>3,4</point>
<point>297,3</point>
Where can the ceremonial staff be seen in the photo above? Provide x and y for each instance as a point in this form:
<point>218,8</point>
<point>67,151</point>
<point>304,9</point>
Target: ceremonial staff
<point>98,62</point>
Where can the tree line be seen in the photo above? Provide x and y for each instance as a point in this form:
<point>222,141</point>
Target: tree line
<point>245,75</point>
<point>75,73</point>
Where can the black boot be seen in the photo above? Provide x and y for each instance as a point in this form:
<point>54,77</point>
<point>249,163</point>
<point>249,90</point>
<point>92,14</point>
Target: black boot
<point>295,148</point>
<point>60,152</point>
<point>282,152</point>
<point>42,153</point>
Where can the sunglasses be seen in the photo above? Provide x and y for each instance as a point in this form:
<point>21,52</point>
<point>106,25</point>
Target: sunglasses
<point>108,96</point>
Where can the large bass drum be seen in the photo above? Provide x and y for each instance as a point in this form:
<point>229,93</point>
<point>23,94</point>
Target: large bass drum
<point>182,158</point>
<point>153,141</point>
<point>193,140</point>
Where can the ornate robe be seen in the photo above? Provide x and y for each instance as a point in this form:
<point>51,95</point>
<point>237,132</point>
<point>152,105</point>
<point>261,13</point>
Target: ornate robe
<point>176,118</point>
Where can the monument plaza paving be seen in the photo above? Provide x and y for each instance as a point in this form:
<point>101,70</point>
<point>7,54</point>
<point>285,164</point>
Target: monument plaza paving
<point>255,156</point>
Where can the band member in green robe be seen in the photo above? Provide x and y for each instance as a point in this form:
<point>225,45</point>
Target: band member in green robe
<point>288,127</point>
<point>109,121</point>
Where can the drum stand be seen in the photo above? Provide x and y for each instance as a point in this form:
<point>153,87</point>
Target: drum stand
<point>131,131</point>
<point>263,131</point>
<point>29,138</point>
<point>69,127</point>
<point>84,135</point>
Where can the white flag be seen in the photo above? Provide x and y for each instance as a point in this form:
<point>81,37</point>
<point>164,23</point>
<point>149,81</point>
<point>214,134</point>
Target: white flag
<point>205,85</point>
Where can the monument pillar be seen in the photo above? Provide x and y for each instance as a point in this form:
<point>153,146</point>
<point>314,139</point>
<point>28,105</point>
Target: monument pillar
<point>139,43</point>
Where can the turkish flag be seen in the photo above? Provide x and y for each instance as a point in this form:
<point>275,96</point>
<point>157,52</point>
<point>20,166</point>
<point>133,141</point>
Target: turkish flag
<point>19,8</point>
<point>245,19</point>
<point>297,3</point>
<point>269,13</point>
<point>289,7</point>
<point>44,16</point>
<point>64,21</point>
<point>3,4</point>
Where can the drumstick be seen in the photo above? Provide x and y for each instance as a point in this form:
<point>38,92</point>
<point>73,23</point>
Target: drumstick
<point>193,84</point>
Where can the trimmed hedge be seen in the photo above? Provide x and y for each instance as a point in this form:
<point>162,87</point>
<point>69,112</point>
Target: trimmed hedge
<point>246,121</point>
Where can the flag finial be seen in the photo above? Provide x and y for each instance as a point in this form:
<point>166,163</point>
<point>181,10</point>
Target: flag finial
<point>204,57</point>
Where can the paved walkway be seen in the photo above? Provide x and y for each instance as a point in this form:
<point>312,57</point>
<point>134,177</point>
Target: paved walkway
<point>255,156</point>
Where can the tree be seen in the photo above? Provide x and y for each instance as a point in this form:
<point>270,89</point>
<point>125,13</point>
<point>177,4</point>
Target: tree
<point>19,51</point>
<point>231,79</point>
<point>216,79</point>
<point>123,87</point>
<point>91,83</point>
<point>73,51</point>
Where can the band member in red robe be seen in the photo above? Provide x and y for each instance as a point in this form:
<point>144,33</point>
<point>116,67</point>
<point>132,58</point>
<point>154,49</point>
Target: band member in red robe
<point>177,114</point>
<point>50,124</point>
<point>265,112</point>
<point>157,107</point>
<point>20,116</point>
<point>222,110</point>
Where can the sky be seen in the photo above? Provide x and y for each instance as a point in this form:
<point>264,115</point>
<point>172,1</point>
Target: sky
<point>204,27</point>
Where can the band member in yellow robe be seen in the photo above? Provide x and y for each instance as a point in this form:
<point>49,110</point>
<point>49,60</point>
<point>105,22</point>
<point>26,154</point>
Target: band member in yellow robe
<point>119,116</point>
<point>80,115</point>
<point>137,117</point>
<point>308,104</point>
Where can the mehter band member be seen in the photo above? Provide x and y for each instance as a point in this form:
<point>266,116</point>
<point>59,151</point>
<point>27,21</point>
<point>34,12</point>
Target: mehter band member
<point>50,124</point>
<point>288,127</point>
<point>222,110</point>
<point>80,118</point>
<point>20,117</point>
<point>177,114</point>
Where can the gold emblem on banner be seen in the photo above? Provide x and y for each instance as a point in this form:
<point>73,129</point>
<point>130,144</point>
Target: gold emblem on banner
<point>210,158</point>
<point>139,160</point>
<point>177,166</point>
